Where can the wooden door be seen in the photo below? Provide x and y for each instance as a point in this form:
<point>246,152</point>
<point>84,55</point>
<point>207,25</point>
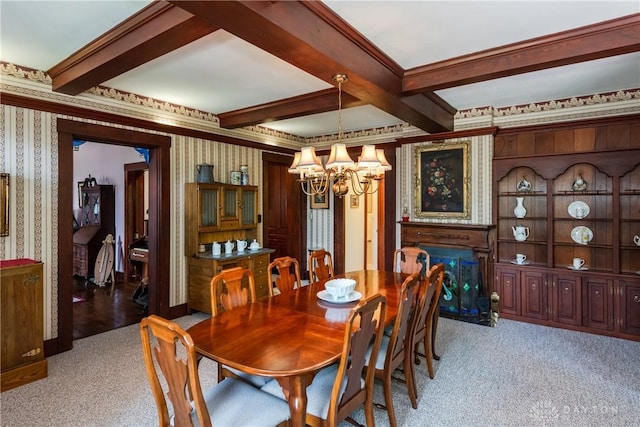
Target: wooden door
<point>630,307</point>
<point>134,211</point>
<point>598,307</point>
<point>283,206</point>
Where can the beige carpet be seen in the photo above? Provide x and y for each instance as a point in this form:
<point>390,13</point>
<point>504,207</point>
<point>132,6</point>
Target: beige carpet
<point>513,375</point>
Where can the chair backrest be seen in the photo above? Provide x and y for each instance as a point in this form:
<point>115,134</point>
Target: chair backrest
<point>232,294</point>
<point>320,265</point>
<point>400,338</point>
<point>364,326</point>
<point>411,259</point>
<point>179,368</point>
<point>427,301</point>
<point>288,274</point>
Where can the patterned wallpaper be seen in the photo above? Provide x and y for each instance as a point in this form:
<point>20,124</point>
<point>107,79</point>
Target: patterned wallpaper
<point>29,152</point>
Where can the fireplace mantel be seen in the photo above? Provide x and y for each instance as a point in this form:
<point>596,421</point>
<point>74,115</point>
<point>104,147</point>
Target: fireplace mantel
<point>477,237</point>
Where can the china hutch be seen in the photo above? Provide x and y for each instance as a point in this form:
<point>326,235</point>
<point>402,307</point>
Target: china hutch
<point>97,219</point>
<point>218,213</point>
<point>564,193</point>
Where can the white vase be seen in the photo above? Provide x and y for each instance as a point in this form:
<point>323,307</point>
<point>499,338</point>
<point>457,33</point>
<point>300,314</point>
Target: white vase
<point>520,211</point>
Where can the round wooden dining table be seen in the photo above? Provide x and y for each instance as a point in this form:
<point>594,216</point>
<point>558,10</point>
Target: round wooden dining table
<point>290,336</point>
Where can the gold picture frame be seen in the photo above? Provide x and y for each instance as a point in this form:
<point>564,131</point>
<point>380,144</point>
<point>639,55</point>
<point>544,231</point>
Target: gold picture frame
<point>354,201</point>
<point>442,181</point>
<point>320,201</point>
<point>4,204</point>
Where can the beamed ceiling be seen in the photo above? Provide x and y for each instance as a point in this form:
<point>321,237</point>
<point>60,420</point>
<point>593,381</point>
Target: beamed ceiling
<point>300,45</point>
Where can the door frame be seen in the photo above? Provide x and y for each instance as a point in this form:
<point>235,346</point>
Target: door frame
<point>159,217</point>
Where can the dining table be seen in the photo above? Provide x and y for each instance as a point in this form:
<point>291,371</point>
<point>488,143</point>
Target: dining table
<point>291,336</point>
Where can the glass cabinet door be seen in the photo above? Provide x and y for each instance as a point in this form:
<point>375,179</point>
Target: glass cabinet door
<point>209,207</point>
<point>230,205</point>
<point>249,207</point>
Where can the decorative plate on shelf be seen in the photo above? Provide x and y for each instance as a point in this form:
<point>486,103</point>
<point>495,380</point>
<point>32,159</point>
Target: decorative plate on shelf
<point>582,235</point>
<point>579,184</point>
<point>524,185</point>
<point>578,209</point>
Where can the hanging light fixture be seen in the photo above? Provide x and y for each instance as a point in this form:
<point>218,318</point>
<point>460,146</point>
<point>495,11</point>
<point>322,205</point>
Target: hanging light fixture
<point>340,170</point>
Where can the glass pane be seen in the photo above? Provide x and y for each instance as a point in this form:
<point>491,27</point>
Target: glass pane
<point>230,203</point>
<point>248,207</point>
<point>209,208</point>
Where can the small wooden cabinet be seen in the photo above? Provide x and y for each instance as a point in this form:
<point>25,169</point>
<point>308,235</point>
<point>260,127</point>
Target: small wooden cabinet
<point>202,269</point>
<point>21,300</point>
<point>98,220</point>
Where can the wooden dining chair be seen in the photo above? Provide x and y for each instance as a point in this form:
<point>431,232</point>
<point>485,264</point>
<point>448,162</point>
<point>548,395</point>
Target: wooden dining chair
<point>411,259</point>
<point>288,277</point>
<point>337,390</point>
<point>396,350</point>
<point>227,293</point>
<point>320,265</point>
<point>427,323</point>
<point>173,354</point>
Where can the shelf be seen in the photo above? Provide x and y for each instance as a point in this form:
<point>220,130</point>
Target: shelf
<point>526,242</point>
<point>528,218</point>
<point>522,194</point>
<point>583,220</point>
<point>582,193</point>
<point>576,245</point>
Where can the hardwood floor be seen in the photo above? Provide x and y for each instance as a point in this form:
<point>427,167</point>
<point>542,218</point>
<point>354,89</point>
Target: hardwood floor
<point>100,312</point>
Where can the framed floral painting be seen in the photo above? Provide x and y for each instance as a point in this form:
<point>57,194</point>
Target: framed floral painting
<point>442,181</point>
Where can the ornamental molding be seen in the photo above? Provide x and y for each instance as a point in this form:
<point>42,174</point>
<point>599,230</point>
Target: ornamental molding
<point>37,84</point>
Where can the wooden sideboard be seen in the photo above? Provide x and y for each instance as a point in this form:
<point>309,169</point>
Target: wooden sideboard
<point>22,356</point>
<point>202,268</point>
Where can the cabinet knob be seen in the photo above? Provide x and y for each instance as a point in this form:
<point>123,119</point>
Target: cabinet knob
<point>636,298</point>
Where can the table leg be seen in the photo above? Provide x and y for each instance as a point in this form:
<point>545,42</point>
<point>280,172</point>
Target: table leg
<point>295,390</point>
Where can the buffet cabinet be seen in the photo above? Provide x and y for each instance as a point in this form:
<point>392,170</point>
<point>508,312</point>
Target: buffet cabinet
<point>559,207</point>
<point>22,357</point>
<point>201,269</point>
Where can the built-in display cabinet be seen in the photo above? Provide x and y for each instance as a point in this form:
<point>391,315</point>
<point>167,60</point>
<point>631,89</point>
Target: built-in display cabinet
<point>565,195</point>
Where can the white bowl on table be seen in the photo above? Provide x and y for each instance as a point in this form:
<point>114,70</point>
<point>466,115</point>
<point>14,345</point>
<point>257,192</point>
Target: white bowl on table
<point>340,288</point>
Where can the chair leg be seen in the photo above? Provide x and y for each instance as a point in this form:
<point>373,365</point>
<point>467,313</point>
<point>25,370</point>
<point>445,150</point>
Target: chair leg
<point>428,351</point>
<point>388,398</point>
<point>410,379</point>
<point>434,329</point>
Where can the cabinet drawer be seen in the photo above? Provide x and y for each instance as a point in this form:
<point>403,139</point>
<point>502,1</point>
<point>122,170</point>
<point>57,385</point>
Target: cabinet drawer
<point>224,265</point>
<point>200,267</point>
<point>229,224</point>
<point>262,289</point>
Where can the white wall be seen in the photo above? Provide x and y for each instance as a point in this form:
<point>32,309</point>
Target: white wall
<point>106,163</point>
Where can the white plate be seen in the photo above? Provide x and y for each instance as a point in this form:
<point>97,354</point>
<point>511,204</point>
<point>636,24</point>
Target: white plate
<point>583,268</point>
<point>513,261</point>
<point>576,206</point>
<point>326,296</point>
<point>582,235</point>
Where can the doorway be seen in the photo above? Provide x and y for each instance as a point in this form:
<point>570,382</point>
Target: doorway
<point>284,221</point>
<point>159,217</point>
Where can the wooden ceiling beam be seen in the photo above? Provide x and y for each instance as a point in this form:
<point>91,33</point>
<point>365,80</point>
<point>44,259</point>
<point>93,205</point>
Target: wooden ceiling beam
<point>154,31</point>
<point>609,38</point>
<point>313,38</point>
<point>311,103</point>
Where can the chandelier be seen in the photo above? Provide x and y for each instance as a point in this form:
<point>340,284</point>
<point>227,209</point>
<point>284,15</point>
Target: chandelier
<point>341,171</point>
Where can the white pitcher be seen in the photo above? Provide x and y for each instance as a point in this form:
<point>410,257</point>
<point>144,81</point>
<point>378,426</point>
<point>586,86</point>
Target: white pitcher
<point>228,247</point>
<point>216,249</point>
<point>520,233</point>
<point>241,245</point>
